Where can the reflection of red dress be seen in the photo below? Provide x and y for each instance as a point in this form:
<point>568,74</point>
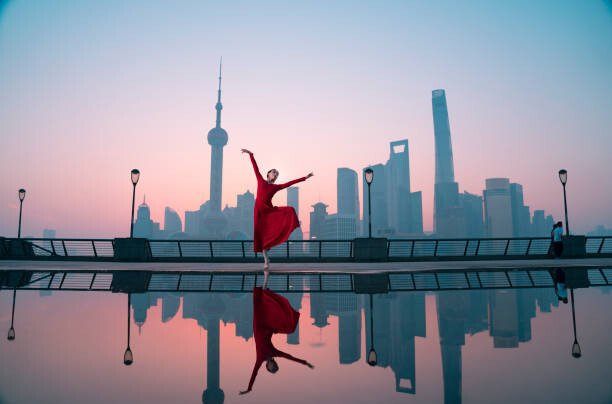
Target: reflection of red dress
<point>273,224</point>
<point>272,314</point>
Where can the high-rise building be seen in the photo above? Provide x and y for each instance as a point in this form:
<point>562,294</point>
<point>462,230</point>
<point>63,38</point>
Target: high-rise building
<point>498,207</point>
<point>48,233</point>
<point>144,226</point>
<point>317,220</point>
<point>348,193</point>
<point>215,223</point>
<point>293,200</point>
<point>449,218</point>
<point>172,222</point>
<point>473,211</point>
<point>403,206</point>
<point>520,212</point>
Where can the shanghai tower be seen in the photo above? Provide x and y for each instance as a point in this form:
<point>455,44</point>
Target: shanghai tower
<point>214,222</point>
<point>446,190</point>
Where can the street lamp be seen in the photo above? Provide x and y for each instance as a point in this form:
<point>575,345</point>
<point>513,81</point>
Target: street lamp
<point>563,179</point>
<point>135,178</point>
<point>11,333</point>
<point>22,193</point>
<point>128,357</point>
<point>372,356</point>
<point>576,352</point>
<point>369,177</point>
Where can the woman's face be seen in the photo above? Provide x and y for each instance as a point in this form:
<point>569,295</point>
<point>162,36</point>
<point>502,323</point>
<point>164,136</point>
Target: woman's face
<point>272,175</point>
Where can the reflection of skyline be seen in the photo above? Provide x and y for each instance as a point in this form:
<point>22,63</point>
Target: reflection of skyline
<point>398,319</point>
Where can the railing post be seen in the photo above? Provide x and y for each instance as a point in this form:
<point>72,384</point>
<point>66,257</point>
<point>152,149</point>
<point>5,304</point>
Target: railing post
<point>287,249</point>
<point>211,249</point>
<point>601,245</point>
<point>93,245</point>
<point>178,243</point>
<point>467,242</point>
<point>320,242</point>
<point>506,249</point>
<point>64,246</point>
<point>412,249</point>
<point>528,246</point>
<point>476,252</point>
<point>243,253</point>
<point>53,248</point>
<point>436,248</point>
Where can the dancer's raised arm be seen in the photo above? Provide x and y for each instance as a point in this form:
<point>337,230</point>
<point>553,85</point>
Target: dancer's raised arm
<point>295,181</point>
<point>255,167</point>
<point>285,355</point>
<point>253,376</point>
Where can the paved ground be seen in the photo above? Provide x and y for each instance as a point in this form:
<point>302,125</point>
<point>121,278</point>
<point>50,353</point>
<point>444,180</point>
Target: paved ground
<point>305,267</point>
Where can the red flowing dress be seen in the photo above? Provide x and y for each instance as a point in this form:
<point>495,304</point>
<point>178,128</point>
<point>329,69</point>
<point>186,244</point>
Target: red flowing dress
<point>273,224</point>
<point>272,314</point>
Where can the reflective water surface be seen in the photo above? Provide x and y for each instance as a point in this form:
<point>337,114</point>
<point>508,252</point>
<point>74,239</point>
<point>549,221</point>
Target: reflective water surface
<point>479,346</point>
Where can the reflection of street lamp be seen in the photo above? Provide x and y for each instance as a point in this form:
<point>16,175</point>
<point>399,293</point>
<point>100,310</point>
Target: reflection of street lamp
<point>22,193</point>
<point>372,357</point>
<point>135,178</point>
<point>11,333</point>
<point>128,357</point>
<point>369,177</point>
<point>563,178</point>
<point>576,352</point>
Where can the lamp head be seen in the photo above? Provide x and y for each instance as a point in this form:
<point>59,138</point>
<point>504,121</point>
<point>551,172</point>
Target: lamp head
<point>576,352</point>
<point>135,176</point>
<point>372,357</point>
<point>369,175</point>
<point>22,193</point>
<point>563,176</point>
<point>128,357</point>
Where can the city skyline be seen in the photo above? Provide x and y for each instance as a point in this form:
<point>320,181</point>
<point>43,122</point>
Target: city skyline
<point>74,123</point>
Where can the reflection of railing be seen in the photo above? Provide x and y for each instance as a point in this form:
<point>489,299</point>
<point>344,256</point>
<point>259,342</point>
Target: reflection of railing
<point>306,250</point>
<point>190,281</point>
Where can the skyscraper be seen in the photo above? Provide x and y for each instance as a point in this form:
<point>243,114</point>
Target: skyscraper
<point>215,224</point>
<point>293,200</point>
<point>447,213</point>
<point>498,207</point>
<point>348,193</point>
<point>520,212</point>
<point>172,222</point>
<point>401,202</point>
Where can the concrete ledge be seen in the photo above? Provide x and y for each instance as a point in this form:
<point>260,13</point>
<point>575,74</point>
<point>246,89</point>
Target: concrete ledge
<point>131,249</point>
<point>3,249</point>
<point>15,279</point>
<point>370,249</point>
<point>576,278</point>
<point>574,247</point>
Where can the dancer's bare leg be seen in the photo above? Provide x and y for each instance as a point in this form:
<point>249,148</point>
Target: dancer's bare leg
<point>266,268</point>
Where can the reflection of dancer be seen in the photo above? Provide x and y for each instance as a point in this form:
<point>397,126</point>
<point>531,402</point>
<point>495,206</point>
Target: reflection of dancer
<point>272,314</point>
<point>273,224</point>
<point>560,287</point>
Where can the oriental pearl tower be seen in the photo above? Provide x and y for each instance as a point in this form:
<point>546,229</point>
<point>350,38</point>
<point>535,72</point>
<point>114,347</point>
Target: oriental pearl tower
<point>215,224</point>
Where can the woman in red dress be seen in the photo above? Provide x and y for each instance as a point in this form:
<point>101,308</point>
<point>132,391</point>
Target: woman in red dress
<point>272,314</point>
<point>273,224</point>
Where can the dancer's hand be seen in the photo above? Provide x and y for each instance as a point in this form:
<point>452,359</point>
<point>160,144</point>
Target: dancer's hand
<point>246,151</point>
<point>309,175</point>
<point>310,365</point>
<point>245,391</point>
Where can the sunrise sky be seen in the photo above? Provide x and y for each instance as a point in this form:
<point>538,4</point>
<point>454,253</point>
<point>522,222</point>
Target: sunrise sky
<point>90,90</point>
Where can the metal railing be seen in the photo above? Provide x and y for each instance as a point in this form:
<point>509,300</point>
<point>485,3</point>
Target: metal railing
<point>305,250</point>
<point>190,281</point>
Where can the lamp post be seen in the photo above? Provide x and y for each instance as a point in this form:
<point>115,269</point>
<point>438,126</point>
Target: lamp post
<point>372,356</point>
<point>128,357</point>
<point>369,177</point>
<point>11,333</point>
<point>135,178</point>
<point>563,179</point>
<point>576,352</point>
<point>22,193</point>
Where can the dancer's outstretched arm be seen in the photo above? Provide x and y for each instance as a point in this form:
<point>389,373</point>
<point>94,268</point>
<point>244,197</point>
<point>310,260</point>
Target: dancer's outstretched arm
<point>290,183</point>
<point>255,167</point>
<point>285,355</point>
<point>253,376</point>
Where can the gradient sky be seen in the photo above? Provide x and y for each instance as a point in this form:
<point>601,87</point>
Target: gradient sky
<point>90,90</point>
